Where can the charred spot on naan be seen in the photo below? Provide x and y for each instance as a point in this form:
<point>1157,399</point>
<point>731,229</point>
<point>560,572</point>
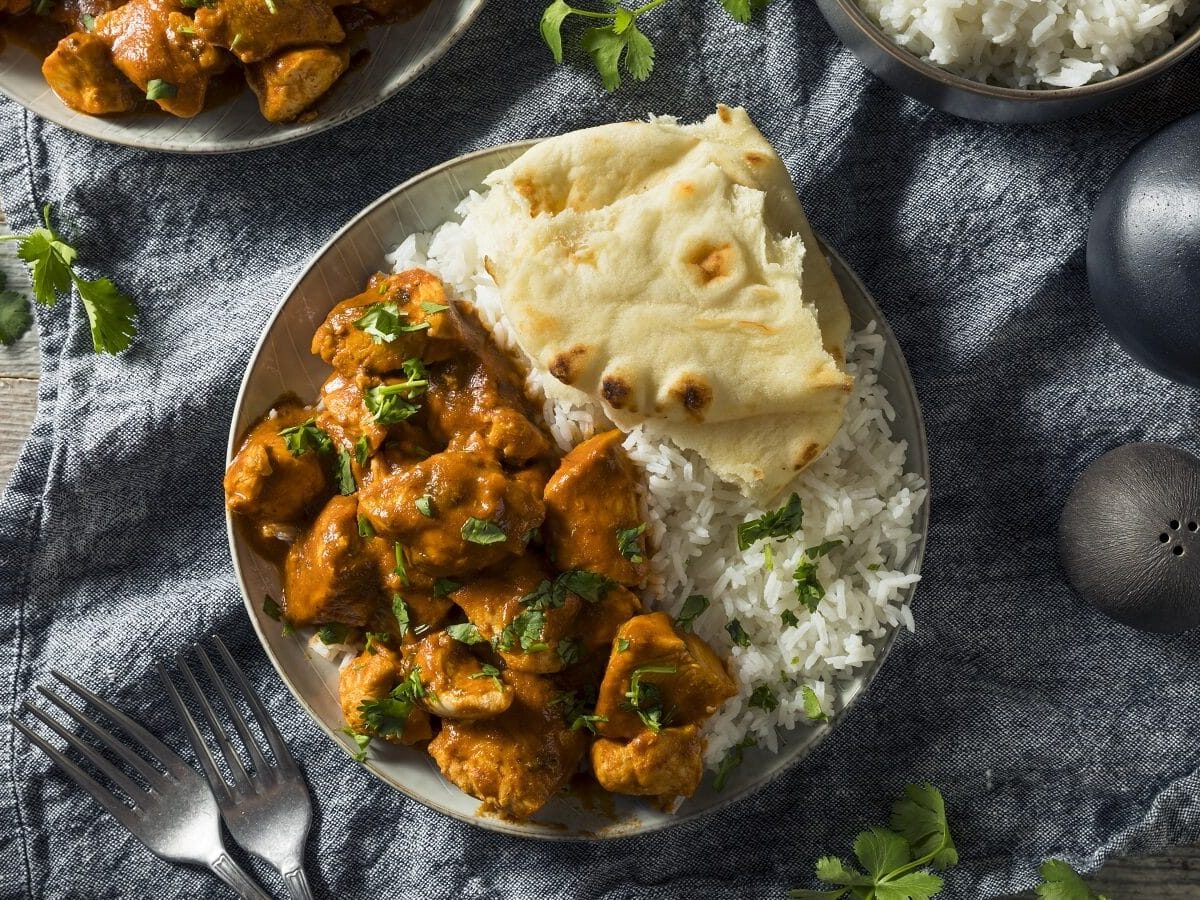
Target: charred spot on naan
<point>694,394</point>
<point>567,365</point>
<point>617,391</point>
<point>540,195</point>
<point>755,159</point>
<point>807,455</point>
<point>711,262</point>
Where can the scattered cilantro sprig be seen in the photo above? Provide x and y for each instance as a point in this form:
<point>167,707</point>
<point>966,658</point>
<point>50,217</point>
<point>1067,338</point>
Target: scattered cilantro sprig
<point>15,315</point>
<point>896,860</point>
<point>51,262</point>
<point>779,524</point>
<point>615,41</point>
<point>1061,882</point>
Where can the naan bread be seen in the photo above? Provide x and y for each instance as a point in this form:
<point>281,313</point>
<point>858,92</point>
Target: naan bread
<point>669,271</point>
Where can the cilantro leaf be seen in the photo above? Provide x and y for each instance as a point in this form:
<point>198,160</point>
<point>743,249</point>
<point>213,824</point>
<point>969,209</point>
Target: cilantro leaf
<point>812,706</point>
<point>731,760</point>
<point>913,886</point>
<point>639,54</point>
<point>693,606</point>
<point>835,871</point>
<point>743,10</point>
<point>15,315</point>
<point>881,851</point>
<point>361,742</point>
<point>551,27</point>
<point>444,587</point>
<point>1061,882</point>
<point>299,439</point>
<point>387,716</point>
<point>629,545</point>
<point>788,618</point>
<point>466,633</point>
<point>569,650</point>
<point>157,89</point>
<point>344,474</point>
<point>737,633</point>
<point>605,47</point>
<point>110,314</point>
<point>482,531</point>
<point>921,818</point>
<point>400,611</point>
<point>764,698</point>
<point>809,589</point>
<point>780,524</point>
<point>381,321</point>
<point>524,632</point>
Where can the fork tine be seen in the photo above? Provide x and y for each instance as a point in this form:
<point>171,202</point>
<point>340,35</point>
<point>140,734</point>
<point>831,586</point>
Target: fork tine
<point>207,763</point>
<point>240,779</point>
<point>160,751</point>
<point>107,739</point>
<point>239,722</point>
<point>119,811</point>
<point>134,791</point>
<point>282,755</point>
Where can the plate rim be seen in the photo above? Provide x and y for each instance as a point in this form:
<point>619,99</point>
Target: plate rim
<point>63,116</point>
<point>914,562</point>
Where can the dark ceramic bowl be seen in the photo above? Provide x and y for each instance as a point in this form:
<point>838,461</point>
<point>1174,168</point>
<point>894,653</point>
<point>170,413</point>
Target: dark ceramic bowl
<point>975,100</point>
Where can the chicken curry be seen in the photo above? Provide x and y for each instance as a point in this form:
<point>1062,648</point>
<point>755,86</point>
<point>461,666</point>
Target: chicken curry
<point>421,508</point>
<point>103,57</point>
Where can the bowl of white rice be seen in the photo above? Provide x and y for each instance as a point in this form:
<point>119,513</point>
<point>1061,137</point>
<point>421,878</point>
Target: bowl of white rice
<point>1017,60</point>
<point>868,491</point>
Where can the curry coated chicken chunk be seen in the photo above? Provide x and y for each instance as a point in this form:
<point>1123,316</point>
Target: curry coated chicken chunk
<point>592,518</point>
<point>456,685</point>
<point>531,631</point>
<point>82,73</point>
<point>291,81</point>
<point>517,761</point>
<point>397,318</point>
<point>476,401</point>
<point>155,41</point>
<point>331,573</point>
<point>660,678</point>
<point>255,30</point>
<point>368,689</point>
<point>279,476</point>
<point>667,763</point>
<point>455,512</point>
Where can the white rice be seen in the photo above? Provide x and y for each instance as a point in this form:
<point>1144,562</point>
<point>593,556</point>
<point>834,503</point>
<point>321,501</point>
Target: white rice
<point>1034,43</point>
<point>857,492</point>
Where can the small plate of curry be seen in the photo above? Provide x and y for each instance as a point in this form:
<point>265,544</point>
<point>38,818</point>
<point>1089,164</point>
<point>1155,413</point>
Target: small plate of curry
<point>215,76</point>
<point>395,495</point>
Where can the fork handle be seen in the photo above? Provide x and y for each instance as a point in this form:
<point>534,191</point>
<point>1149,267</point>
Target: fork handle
<point>297,884</point>
<point>236,877</point>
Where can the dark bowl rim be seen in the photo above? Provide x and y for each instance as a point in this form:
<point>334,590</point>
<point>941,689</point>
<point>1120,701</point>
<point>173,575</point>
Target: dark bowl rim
<point>1188,42</point>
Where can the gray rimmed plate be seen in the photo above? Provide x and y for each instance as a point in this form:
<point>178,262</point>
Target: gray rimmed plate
<point>398,53</point>
<point>282,363</point>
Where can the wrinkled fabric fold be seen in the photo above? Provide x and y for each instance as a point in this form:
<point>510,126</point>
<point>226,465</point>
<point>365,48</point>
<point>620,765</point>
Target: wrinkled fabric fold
<point>1051,730</point>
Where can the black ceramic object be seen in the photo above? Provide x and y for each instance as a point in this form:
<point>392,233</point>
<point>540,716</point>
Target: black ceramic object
<point>972,100</point>
<point>1143,255</point>
<point>1129,537</point>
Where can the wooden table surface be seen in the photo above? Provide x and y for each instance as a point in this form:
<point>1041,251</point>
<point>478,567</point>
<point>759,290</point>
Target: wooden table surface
<point>1171,876</point>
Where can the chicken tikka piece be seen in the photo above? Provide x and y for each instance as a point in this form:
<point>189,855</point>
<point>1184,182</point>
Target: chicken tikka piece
<point>489,579</point>
<point>517,761</point>
<point>592,517</point>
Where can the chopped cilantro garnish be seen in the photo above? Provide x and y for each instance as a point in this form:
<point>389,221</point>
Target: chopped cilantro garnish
<point>362,450</point>
<point>779,524</point>
<point>629,544</point>
<point>808,587</point>
<point>731,761</point>
<point>401,568</point>
<point>622,644</point>
<point>400,611</point>
<point>764,698</point>
<point>787,617</point>
<point>387,716</point>
<point>425,506</point>
<point>333,633</point>
<point>693,606</point>
<point>737,633</point>
<point>812,706</point>
<point>361,742</point>
<point>365,528</point>
<point>345,474</point>
<point>489,671</point>
<point>157,89</point>
<point>481,531</point>
<point>465,633</point>
<point>444,587</point>
<point>569,650</point>
<point>524,632</point>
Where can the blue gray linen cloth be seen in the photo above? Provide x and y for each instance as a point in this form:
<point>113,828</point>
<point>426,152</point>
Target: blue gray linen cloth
<point>1052,730</point>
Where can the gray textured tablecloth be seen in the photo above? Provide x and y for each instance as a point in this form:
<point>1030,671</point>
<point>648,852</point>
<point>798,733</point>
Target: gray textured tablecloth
<point>1051,730</point>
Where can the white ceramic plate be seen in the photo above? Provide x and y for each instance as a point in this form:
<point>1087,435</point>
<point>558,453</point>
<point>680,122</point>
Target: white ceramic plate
<point>398,54</point>
<point>282,363</point>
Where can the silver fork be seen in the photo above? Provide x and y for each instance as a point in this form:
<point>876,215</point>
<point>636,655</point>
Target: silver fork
<point>267,810</point>
<point>176,817</point>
